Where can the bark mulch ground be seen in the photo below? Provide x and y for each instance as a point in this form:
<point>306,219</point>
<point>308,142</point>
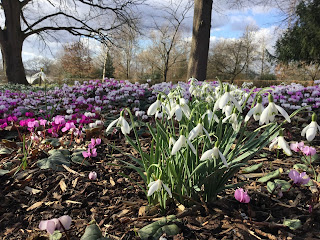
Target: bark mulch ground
<point>120,207</point>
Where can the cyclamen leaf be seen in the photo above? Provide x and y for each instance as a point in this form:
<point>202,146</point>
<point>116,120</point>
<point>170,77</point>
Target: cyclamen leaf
<point>302,167</point>
<point>93,232</point>
<point>271,186</point>
<point>56,235</point>
<point>252,168</point>
<point>271,175</point>
<point>285,186</point>
<point>5,151</point>
<point>293,224</point>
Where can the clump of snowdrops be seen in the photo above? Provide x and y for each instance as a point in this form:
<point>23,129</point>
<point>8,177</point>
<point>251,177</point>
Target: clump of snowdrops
<point>198,145</point>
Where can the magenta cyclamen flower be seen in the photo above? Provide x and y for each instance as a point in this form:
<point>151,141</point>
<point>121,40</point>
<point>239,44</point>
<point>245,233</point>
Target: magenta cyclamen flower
<point>309,151</point>
<point>299,178</point>
<point>68,126</point>
<point>55,224</point>
<point>241,195</point>
<point>296,147</point>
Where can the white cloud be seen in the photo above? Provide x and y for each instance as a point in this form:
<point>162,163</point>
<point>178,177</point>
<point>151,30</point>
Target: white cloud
<point>239,23</point>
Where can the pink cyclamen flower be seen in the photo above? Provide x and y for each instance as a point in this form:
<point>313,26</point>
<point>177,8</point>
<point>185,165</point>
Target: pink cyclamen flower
<point>94,152</point>
<point>55,224</point>
<point>93,175</point>
<point>92,144</point>
<point>241,195</point>
<point>43,122</point>
<point>309,151</point>
<point>297,147</point>
<point>68,126</point>
<point>299,178</point>
<point>86,154</point>
<point>59,120</point>
<point>98,141</point>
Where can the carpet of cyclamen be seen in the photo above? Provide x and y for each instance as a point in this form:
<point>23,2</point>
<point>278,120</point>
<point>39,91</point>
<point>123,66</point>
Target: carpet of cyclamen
<point>82,103</point>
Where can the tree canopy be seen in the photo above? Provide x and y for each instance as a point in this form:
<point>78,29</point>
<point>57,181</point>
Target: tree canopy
<point>21,19</point>
<point>301,42</point>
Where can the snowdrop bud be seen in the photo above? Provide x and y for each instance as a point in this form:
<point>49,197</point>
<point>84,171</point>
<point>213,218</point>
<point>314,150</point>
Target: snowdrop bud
<point>93,175</point>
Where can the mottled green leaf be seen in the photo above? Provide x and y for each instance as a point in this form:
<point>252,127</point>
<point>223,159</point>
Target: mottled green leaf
<point>293,224</point>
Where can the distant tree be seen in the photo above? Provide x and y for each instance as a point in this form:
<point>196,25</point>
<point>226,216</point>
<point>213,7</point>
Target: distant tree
<point>167,43</point>
<point>23,18</point>
<point>301,42</point>
<point>229,58</point>
<point>76,60</point>
<point>34,65</point>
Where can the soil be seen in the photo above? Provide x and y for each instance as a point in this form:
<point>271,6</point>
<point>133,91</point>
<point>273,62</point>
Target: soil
<point>120,207</point>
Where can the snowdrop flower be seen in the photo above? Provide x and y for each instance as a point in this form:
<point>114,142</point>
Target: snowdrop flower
<point>211,116</point>
<point>182,142</point>
<point>122,123</point>
<point>241,195</point>
<point>157,108</point>
<point>55,224</point>
<point>180,108</point>
<point>255,111</point>
<point>227,99</point>
<point>157,186</point>
<point>172,141</point>
<point>281,144</point>
<point>233,119</point>
<point>269,113</point>
<point>196,131</point>
<point>299,178</point>
<point>310,131</point>
<point>214,153</point>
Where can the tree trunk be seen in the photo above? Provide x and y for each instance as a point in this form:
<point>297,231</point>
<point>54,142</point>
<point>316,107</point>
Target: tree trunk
<point>198,61</point>
<point>11,41</point>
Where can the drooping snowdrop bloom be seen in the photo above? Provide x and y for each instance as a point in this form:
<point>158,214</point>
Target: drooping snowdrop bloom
<point>196,131</point>
<point>310,131</point>
<point>172,141</point>
<point>281,143</point>
<point>227,99</point>
<point>214,153</point>
<point>156,186</point>
<point>299,178</point>
<point>120,122</point>
<point>211,116</point>
<point>241,195</point>
<point>179,108</point>
<point>180,143</point>
<point>55,224</point>
<point>255,111</point>
<point>269,113</point>
<point>233,119</point>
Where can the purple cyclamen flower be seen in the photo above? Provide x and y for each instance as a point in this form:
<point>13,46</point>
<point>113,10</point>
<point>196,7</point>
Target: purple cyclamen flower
<point>309,151</point>
<point>241,195</point>
<point>55,224</point>
<point>299,178</point>
<point>86,154</point>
